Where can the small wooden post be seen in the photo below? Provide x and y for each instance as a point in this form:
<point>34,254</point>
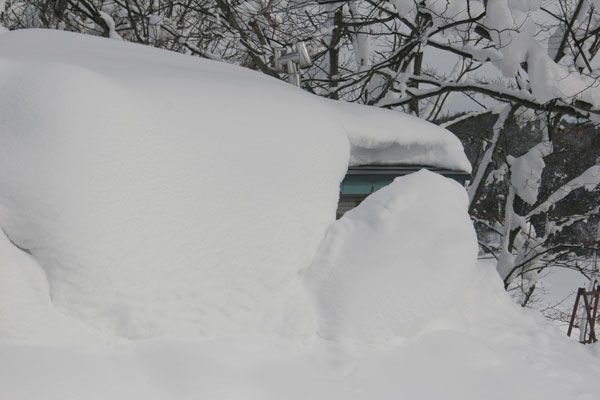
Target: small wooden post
<point>590,304</point>
<point>574,313</point>
<point>594,314</point>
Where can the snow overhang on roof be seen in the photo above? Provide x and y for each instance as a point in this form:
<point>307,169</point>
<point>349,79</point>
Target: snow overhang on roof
<point>376,136</point>
<point>379,136</point>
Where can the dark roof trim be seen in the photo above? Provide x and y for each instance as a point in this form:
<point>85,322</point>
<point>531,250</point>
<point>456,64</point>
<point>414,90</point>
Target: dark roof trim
<point>396,169</point>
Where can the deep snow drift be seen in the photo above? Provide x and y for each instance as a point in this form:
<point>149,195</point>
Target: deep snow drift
<point>26,311</point>
<point>472,343</point>
<point>166,194</point>
<point>145,194</point>
<point>376,276</point>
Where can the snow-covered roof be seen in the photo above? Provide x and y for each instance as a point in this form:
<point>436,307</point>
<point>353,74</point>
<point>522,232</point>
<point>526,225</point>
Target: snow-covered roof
<point>377,136</point>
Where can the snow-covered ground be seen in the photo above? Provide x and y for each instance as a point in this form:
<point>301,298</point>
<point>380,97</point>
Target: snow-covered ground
<point>168,233</point>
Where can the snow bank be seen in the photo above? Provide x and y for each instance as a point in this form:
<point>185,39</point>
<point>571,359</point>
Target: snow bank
<point>164,194</point>
<point>398,259</point>
<point>161,194</point>
<point>26,311</point>
<point>483,347</point>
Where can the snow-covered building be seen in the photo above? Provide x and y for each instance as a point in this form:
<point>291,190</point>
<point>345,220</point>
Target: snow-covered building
<point>125,163</point>
<point>386,145</point>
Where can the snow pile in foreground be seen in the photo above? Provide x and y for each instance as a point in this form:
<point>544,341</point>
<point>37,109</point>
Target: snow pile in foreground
<point>481,346</point>
<point>161,194</point>
<point>26,310</point>
<point>401,258</point>
<point>165,194</point>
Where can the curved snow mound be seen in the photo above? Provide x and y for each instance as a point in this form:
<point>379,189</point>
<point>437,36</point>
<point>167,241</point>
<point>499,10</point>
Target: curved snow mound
<point>26,312</point>
<point>162,194</point>
<point>395,262</point>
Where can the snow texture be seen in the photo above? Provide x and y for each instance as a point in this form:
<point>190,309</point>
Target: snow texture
<point>589,180</point>
<point>375,139</point>
<point>375,277</point>
<point>26,310</point>
<point>470,338</point>
<point>513,31</point>
<point>480,342</point>
<point>156,190</point>
<point>110,23</point>
<point>526,171</point>
<point>164,194</point>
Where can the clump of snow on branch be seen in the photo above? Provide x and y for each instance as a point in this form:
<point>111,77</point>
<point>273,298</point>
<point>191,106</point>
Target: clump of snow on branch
<point>513,31</point>
<point>589,180</point>
<point>110,23</point>
<point>526,171</point>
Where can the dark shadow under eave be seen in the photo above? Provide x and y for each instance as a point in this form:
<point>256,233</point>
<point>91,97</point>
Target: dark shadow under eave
<point>362,180</point>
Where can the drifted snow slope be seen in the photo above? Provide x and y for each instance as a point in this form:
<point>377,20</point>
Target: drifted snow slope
<point>386,244</point>
<point>468,342</point>
<point>161,194</point>
<point>26,310</point>
<point>164,194</point>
